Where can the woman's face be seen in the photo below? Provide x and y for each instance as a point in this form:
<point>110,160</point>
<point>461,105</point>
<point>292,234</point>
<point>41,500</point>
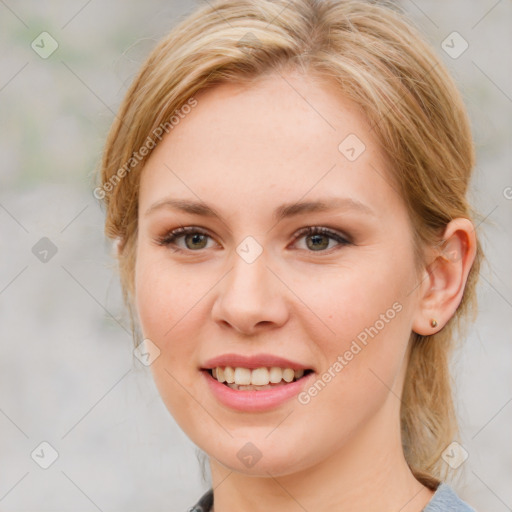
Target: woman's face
<point>251,284</point>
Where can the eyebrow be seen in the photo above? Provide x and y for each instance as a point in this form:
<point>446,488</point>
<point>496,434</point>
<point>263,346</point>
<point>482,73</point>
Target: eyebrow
<point>284,211</point>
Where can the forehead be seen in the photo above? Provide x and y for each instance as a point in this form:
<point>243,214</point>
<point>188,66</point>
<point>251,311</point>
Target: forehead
<point>280,139</point>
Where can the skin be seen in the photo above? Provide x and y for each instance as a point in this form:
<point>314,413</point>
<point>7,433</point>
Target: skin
<point>245,151</point>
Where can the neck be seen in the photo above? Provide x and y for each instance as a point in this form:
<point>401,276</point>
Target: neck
<point>369,472</point>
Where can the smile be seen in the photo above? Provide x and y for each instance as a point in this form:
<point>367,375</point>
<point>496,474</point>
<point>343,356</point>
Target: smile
<point>247,379</point>
<point>255,382</point>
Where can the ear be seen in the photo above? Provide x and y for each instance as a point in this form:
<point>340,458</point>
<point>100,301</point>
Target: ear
<point>119,246</point>
<point>444,279</point>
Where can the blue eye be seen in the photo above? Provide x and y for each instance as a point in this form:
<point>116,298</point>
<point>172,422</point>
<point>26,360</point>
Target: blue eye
<point>196,239</point>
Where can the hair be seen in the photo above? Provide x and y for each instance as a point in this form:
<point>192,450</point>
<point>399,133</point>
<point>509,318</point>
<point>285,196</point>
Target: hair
<point>378,60</point>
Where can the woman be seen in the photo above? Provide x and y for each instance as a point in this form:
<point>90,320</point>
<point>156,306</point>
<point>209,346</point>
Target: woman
<point>287,184</point>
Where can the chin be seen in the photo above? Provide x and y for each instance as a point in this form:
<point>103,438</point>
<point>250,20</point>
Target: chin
<point>259,457</point>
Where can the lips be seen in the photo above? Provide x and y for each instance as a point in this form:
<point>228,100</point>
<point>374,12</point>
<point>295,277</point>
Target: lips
<point>252,362</point>
<point>252,400</point>
<point>227,377</point>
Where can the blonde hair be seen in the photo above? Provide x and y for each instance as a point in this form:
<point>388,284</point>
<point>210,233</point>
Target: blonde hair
<point>379,61</point>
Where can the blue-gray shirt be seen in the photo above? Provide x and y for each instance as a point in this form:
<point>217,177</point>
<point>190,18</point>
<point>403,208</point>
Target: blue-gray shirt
<point>444,500</point>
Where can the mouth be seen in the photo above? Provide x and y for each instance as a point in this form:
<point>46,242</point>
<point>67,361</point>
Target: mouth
<point>256,379</point>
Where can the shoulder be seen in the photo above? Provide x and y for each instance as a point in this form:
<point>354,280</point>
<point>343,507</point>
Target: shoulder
<point>204,504</point>
<point>445,499</point>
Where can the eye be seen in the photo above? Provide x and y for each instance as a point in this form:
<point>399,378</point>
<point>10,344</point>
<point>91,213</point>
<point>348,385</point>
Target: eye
<point>318,238</point>
<point>193,237</point>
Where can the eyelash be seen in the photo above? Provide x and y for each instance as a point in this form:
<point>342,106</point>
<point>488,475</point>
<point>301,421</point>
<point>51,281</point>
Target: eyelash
<point>169,238</point>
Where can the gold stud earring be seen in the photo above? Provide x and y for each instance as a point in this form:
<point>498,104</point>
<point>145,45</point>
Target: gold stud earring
<point>433,322</point>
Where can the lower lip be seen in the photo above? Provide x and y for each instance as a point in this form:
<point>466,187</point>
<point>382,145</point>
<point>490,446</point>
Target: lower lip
<point>255,401</point>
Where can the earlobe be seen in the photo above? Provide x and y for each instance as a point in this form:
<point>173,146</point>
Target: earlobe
<point>118,246</point>
<point>445,277</point>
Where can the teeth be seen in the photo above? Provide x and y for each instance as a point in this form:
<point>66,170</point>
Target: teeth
<point>229,374</point>
<point>258,378</point>
<point>288,374</point>
<point>252,388</point>
<point>276,374</point>
<point>242,376</point>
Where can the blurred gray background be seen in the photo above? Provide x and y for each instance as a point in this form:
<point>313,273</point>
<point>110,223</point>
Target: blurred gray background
<point>68,376</point>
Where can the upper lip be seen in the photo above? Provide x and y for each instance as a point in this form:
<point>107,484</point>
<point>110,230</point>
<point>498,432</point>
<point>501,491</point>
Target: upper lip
<point>254,361</point>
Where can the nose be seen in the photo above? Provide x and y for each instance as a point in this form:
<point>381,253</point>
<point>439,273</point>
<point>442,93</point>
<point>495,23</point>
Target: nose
<point>251,298</point>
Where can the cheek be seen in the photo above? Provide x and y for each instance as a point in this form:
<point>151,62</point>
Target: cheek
<point>164,297</point>
<point>366,324</point>
<point>361,361</point>
<point>165,305</point>
<point>347,301</point>
<point>170,305</point>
